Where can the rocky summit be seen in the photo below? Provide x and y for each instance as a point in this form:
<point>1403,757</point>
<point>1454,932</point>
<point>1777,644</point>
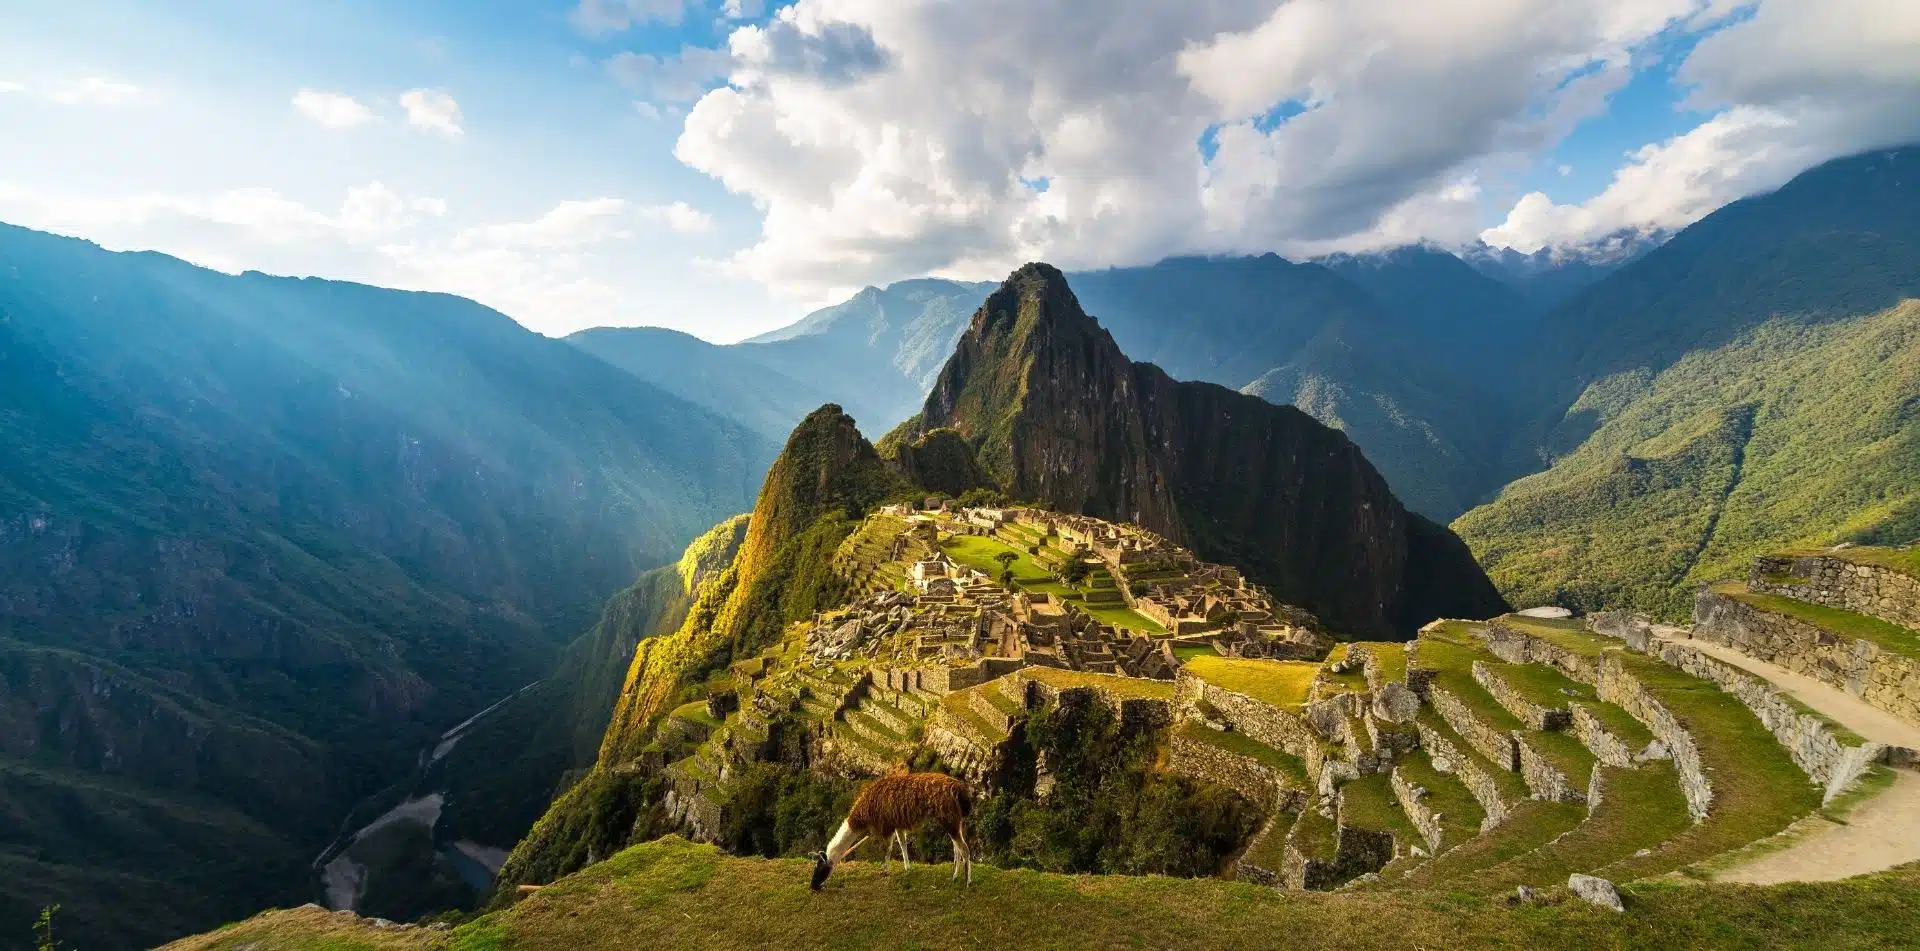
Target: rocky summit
<point>1056,413</point>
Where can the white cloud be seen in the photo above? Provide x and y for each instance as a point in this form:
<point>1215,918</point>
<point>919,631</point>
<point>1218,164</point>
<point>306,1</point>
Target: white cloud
<point>886,139</point>
<point>1795,83</point>
<point>681,217</point>
<point>569,224</point>
<point>259,214</point>
<point>9,86</point>
<point>742,9</point>
<point>599,18</point>
<point>681,77</point>
<point>432,110</point>
<point>95,91</point>
<point>333,110</point>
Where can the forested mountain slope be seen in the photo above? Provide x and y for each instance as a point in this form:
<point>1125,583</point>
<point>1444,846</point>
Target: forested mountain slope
<point>262,538</point>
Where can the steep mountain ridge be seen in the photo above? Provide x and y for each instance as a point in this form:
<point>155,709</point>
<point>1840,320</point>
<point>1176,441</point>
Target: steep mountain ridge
<point>1746,385</point>
<point>261,539</point>
<point>1057,413</point>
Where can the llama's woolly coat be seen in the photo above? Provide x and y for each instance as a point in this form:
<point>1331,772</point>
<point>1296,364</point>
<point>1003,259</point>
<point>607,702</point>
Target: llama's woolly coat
<point>902,801</point>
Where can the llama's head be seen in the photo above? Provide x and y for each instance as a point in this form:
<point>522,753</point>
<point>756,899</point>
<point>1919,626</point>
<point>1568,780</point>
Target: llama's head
<point>822,867</point>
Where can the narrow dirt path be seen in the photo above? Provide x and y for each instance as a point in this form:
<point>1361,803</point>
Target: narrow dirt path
<point>1880,833</point>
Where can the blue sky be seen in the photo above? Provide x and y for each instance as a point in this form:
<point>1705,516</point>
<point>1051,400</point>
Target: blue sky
<point>675,162</point>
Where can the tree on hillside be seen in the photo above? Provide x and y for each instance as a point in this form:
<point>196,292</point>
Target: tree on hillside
<point>1076,572</point>
<point>1006,560</point>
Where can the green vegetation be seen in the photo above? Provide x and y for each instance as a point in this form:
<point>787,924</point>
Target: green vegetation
<point>1125,688</point>
<point>1757,791</point>
<point>1240,744</point>
<point>1389,658</point>
<point>1641,809</point>
<point>1792,434</point>
<point>1369,803</point>
<point>1109,810</point>
<point>1460,813</point>
<point>672,894</point>
<point>994,557</point>
<point>1282,684</point>
<point>1530,825</point>
<point>1890,637</point>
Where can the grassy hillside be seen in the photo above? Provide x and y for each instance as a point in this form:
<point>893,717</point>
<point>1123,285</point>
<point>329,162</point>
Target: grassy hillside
<point>1793,434</point>
<point>671,894</point>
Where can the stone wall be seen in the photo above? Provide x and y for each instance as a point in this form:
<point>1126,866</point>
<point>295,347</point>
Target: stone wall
<point>1881,678</point>
<point>1454,762</point>
<point>1635,629</point>
<point>1887,594</point>
<point>1605,747</point>
<point>1267,724</point>
<point>1810,739</point>
<point>1615,685</point>
<point>1545,780</point>
<point>1517,647</point>
<point>1413,802</point>
<point>1246,870</point>
<point>1495,745</point>
<point>1536,717</point>
<point>1265,786</point>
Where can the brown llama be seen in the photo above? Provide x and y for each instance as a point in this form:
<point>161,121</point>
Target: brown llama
<point>892,806</point>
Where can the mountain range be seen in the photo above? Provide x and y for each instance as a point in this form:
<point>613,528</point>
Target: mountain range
<point>267,545</point>
<point>264,539</point>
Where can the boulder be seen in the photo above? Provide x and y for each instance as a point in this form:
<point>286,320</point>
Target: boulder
<point>1595,891</point>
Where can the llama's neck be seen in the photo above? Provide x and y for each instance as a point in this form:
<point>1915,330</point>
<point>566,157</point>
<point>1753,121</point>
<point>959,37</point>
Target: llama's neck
<point>843,842</point>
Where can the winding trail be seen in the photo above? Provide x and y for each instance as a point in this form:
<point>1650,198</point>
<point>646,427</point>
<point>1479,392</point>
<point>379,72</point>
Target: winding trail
<point>1879,833</point>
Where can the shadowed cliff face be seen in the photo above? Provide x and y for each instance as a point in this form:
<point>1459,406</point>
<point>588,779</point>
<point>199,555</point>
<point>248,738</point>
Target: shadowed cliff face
<point>1056,413</point>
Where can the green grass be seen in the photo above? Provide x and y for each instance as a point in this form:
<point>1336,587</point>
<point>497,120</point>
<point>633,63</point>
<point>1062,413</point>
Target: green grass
<point>978,551</point>
<point>1460,813</point>
<point>1187,652</point>
<point>1757,789</point>
<point>957,705</point>
<point>1315,835</point>
<point>1282,684</point>
<point>1567,634</point>
<point>1889,637</point>
<point>1451,658</point>
<point>1511,787</point>
<point>1369,803</point>
<point>1529,825</point>
<point>673,894</point>
<point>1240,744</point>
<point>1389,658</point>
<point>1270,852</point>
<point>1641,809</point>
<point>1126,688</point>
<point>696,712</point>
<point>1354,681</point>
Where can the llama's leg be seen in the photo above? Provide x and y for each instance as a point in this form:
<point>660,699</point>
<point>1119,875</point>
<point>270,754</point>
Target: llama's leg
<point>967,848</point>
<point>959,855</point>
<point>905,859</point>
<point>888,865</point>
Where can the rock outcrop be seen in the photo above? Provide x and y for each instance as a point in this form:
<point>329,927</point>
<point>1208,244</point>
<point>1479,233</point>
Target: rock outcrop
<point>1056,413</point>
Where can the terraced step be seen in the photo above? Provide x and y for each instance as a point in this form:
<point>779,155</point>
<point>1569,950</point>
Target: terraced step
<point>1639,810</point>
<point>1530,825</point>
<point>1386,661</point>
<point>1264,861</point>
<point>1498,790</point>
<point>957,713</point>
<point>1370,803</point>
<point>1240,762</point>
<point>1555,766</point>
<point>882,709</point>
<point>1440,806</point>
<point>1756,788</point>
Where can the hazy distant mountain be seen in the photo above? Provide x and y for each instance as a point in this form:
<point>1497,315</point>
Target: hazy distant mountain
<point>722,379</point>
<point>877,353</point>
<point>1549,277</point>
<point>263,539</point>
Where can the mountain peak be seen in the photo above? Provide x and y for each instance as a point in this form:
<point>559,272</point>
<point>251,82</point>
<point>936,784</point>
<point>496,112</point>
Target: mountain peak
<point>1055,412</point>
